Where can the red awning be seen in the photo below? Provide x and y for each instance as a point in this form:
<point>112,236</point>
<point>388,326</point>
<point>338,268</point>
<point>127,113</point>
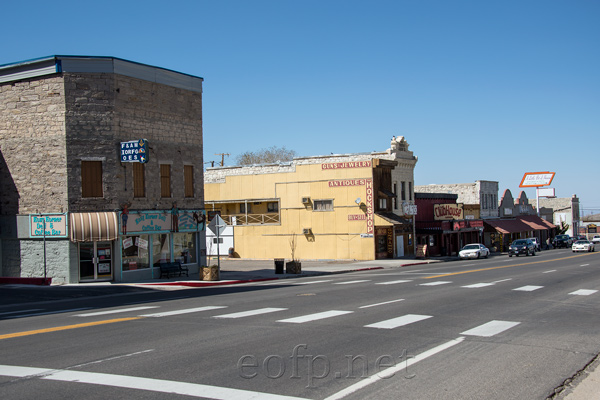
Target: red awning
<point>536,222</point>
<point>508,225</point>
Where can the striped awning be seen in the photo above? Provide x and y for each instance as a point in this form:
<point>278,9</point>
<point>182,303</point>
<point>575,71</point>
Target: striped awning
<point>94,226</point>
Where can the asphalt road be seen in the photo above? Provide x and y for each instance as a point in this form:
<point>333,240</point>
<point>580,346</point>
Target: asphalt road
<point>497,328</point>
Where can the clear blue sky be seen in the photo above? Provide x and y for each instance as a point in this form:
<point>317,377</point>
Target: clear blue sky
<point>482,90</point>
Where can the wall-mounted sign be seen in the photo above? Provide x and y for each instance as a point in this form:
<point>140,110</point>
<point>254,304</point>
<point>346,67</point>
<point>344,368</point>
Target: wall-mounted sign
<point>409,209</point>
<point>55,225</point>
<point>537,179</point>
<point>357,217</point>
<point>134,151</point>
<point>350,164</point>
<point>163,221</point>
<point>347,182</point>
<point>447,211</point>
<point>370,206</point>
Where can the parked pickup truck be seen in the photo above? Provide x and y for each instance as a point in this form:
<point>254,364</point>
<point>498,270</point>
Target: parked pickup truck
<point>562,241</point>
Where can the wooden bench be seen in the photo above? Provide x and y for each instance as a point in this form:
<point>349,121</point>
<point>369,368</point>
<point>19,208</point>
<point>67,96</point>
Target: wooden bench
<point>172,268</point>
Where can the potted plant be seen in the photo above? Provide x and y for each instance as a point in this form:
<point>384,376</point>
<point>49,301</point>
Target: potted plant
<point>294,266</point>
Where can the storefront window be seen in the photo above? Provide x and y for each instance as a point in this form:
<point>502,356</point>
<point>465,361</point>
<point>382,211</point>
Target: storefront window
<point>161,248</point>
<point>135,252</point>
<point>184,247</point>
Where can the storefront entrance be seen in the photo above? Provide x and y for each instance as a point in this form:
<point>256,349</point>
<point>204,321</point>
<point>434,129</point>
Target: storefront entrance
<point>95,261</point>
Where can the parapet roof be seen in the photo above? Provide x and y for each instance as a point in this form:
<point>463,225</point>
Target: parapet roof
<point>97,64</point>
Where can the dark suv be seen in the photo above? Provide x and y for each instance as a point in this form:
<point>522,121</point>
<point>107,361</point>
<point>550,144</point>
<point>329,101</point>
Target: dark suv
<point>562,241</point>
<point>521,246</point>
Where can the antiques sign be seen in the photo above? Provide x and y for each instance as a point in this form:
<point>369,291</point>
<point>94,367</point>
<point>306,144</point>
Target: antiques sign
<point>134,151</point>
<point>447,211</point>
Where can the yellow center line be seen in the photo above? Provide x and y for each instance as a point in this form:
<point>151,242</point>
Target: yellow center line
<point>66,327</point>
<point>504,266</point>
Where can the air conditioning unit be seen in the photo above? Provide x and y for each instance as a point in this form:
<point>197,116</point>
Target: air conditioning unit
<point>305,200</point>
<point>306,231</point>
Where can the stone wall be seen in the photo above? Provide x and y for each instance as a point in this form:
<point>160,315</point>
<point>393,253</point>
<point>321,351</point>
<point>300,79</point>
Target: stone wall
<point>33,175</point>
<point>104,110</point>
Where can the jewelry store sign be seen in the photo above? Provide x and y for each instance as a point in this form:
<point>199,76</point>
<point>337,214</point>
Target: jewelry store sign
<point>48,225</point>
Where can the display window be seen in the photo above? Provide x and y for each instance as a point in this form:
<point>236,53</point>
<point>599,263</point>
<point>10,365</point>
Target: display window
<point>134,253</point>
<point>184,247</point>
<point>161,248</point>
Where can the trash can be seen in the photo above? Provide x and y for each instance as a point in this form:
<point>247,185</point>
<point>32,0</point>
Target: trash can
<point>279,265</point>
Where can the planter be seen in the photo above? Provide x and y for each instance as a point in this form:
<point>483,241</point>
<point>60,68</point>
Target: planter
<point>210,273</point>
<point>293,267</point>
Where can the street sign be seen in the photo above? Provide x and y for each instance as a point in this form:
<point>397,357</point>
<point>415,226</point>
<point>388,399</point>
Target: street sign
<point>217,225</point>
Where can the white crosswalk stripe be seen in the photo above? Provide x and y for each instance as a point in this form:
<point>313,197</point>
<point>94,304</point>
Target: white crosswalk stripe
<point>351,282</point>
<point>583,292</point>
<point>393,282</point>
<point>528,288</point>
<point>121,310</point>
<point>250,313</point>
<point>490,329</point>
<point>184,311</point>
<point>436,283</point>
<point>315,317</point>
<point>400,321</point>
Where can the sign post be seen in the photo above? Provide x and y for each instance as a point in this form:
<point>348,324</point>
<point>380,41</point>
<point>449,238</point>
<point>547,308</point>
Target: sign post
<point>217,226</point>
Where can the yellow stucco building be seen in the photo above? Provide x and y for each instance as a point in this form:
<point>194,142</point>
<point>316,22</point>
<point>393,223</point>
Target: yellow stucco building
<point>338,207</point>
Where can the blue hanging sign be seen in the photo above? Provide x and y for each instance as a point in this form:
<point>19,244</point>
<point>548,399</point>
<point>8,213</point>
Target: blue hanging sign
<point>134,151</point>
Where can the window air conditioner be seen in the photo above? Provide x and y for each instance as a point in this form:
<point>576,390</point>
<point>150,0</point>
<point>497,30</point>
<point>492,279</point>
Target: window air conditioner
<point>306,231</point>
<point>305,200</point>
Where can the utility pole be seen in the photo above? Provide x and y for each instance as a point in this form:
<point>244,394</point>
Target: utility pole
<point>212,163</point>
<point>222,157</point>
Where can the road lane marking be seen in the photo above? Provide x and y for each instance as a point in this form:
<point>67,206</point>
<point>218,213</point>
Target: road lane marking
<point>490,329</point>
<point>400,321</point>
<point>184,311</point>
<point>547,272</point>
<point>315,317</point>
<point>504,266</point>
<point>393,282</point>
<point>390,372</point>
<point>351,282</point>
<point>484,284</point>
<point>380,304</point>
<point>528,288</point>
<point>583,292</point>
<point>250,313</point>
<point>311,282</point>
<point>122,310</point>
<point>64,328</point>
<point>434,283</point>
<point>132,382</point>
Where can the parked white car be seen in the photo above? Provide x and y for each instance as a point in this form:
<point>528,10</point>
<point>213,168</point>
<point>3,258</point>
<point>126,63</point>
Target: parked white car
<point>583,245</point>
<point>474,250</point>
<point>596,239</point>
<point>535,241</point>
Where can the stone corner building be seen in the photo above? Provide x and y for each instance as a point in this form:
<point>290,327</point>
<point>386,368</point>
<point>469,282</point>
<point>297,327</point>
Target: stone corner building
<point>66,124</point>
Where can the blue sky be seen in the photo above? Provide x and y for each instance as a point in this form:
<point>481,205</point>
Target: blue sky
<point>481,90</point>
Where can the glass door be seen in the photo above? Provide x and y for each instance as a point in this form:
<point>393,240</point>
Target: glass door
<point>95,261</point>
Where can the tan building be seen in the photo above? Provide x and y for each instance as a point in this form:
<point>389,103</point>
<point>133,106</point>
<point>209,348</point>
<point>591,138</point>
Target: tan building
<point>349,206</point>
<point>73,131</point>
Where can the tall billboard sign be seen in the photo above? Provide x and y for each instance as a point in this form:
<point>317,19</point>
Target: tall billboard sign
<point>537,179</point>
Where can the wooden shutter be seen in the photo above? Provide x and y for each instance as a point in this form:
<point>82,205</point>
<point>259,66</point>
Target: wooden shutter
<point>165,180</point>
<point>91,179</point>
<point>139,181</point>
<point>188,180</point>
